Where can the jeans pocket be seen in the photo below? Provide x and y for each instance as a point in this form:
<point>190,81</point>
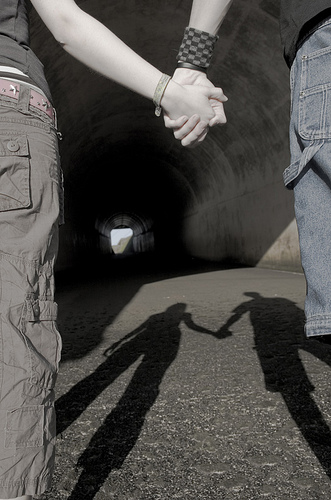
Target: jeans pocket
<point>315,95</point>
<point>14,173</point>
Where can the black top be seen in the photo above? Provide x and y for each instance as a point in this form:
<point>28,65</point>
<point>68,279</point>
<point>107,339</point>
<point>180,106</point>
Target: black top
<point>14,42</point>
<point>297,19</point>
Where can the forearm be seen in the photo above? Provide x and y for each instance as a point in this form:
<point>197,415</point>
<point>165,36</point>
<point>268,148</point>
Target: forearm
<point>97,47</point>
<point>208,15</point>
<point>106,54</point>
<point>103,52</point>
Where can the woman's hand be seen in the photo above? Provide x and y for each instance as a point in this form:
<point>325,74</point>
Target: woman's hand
<point>194,130</point>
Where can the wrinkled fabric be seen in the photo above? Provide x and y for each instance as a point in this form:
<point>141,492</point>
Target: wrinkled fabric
<point>30,344</point>
<point>310,172</point>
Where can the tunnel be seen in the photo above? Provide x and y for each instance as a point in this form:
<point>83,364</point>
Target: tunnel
<point>142,240</point>
<point>223,201</point>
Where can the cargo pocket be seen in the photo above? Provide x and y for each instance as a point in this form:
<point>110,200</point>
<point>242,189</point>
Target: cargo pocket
<point>297,167</point>
<point>43,340</point>
<point>36,347</point>
<point>14,173</point>
<point>24,427</point>
<point>315,96</point>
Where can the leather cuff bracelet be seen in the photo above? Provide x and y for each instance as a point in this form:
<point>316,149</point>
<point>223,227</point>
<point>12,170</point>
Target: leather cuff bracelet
<point>197,47</point>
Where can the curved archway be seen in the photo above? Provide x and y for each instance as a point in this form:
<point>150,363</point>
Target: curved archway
<point>142,238</point>
<point>223,200</point>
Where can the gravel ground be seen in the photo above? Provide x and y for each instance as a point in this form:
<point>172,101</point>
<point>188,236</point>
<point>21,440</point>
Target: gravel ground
<point>190,383</point>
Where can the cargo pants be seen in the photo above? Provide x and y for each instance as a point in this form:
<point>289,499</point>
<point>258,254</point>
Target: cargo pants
<point>30,345</point>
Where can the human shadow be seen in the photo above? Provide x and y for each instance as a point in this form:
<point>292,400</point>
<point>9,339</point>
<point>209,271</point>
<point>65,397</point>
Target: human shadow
<point>278,334</point>
<point>155,343</point>
<point>91,297</point>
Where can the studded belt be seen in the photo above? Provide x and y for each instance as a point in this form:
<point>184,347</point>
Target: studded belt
<point>11,89</point>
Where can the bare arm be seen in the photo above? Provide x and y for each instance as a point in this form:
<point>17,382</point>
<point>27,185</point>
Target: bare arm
<point>208,15</point>
<point>93,44</point>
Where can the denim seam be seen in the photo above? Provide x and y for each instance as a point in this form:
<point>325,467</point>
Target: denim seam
<point>317,53</point>
<point>293,170</point>
<point>319,316</point>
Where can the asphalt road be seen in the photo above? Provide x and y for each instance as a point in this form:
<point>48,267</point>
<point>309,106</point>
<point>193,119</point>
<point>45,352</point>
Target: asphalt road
<point>189,382</point>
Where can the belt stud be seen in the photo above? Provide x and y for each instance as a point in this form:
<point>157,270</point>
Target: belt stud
<point>13,89</point>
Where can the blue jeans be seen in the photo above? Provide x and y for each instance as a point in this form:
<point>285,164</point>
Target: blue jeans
<point>310,171</point>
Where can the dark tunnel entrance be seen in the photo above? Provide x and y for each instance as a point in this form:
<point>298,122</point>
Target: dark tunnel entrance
<point>141,239</point>
<point>119,187</point>
<point>223,201</point>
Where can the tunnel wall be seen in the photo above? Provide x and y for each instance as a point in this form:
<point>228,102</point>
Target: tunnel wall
<point>223,201</point>
<point>243,212</point>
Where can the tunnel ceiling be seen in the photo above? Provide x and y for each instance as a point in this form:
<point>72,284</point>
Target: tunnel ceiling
<point>112,138</point>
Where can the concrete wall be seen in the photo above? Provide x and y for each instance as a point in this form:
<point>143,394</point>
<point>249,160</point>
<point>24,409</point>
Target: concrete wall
<point>243,212</point>
<point>222,201</point>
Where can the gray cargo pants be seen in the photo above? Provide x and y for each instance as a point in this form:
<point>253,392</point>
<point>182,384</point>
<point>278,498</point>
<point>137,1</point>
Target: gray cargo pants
<point>30,345</point>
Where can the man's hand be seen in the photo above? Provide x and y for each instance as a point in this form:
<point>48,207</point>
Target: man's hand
<point>192,132</point>
<point>191,77</point>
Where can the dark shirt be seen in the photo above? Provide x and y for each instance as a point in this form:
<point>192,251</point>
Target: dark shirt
<point>14,42</point>
<point>297,19</point>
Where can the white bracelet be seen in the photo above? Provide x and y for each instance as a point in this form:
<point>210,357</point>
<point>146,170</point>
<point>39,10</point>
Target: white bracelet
<point>159,91</point>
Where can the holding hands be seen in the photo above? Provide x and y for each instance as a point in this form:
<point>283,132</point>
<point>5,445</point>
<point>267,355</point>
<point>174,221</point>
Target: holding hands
<point>201,107</point>
<point>194,58</point>
<point>190,102</point>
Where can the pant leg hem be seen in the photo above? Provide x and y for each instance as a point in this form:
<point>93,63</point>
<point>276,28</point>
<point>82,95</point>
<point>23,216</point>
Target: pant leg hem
<point>317,326</point>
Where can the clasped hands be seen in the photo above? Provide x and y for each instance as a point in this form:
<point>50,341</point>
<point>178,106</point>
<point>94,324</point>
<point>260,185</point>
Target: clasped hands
<point>199,106</point>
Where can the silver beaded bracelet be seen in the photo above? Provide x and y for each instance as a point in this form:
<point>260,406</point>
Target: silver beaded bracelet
<point>159,91</point>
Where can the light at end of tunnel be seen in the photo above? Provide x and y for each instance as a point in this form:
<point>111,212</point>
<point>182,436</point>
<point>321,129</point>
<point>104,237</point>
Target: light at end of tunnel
<point>120,239</point>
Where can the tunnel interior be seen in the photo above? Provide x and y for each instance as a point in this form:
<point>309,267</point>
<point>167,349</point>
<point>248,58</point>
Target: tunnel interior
<point>223,200</point>
<point>141,241</point>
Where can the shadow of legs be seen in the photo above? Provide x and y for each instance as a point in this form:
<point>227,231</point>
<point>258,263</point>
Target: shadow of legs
<point>311,424</point>
<point>115,438</point>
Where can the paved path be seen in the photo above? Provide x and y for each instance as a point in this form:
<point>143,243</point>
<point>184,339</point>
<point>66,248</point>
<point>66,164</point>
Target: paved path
<point>190,384</point>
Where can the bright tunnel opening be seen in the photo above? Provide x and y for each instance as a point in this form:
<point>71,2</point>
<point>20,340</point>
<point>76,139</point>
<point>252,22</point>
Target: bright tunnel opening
<point>120,239</point>
<point>125,233</point>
